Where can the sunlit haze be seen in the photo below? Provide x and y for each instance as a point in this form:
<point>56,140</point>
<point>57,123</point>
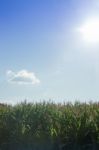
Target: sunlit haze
<point>49,50</point>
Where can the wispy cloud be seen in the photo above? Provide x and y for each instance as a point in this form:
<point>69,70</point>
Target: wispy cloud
<point>22,77</point>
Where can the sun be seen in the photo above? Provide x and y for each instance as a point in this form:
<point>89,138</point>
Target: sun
<point>90,30</point>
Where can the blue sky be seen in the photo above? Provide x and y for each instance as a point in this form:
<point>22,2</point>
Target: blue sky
<point>42,53</point>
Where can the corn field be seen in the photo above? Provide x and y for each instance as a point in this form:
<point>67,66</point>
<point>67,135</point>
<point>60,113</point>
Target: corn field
<point>49,126</point>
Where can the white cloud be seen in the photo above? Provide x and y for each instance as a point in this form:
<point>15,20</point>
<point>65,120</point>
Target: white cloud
<point>22,77</point>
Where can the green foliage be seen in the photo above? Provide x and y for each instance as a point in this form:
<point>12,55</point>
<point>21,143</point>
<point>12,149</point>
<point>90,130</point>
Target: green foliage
<point>49,126</point>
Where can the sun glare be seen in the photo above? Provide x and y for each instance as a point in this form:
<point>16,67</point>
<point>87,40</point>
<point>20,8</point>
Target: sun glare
<point>90,30</point>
